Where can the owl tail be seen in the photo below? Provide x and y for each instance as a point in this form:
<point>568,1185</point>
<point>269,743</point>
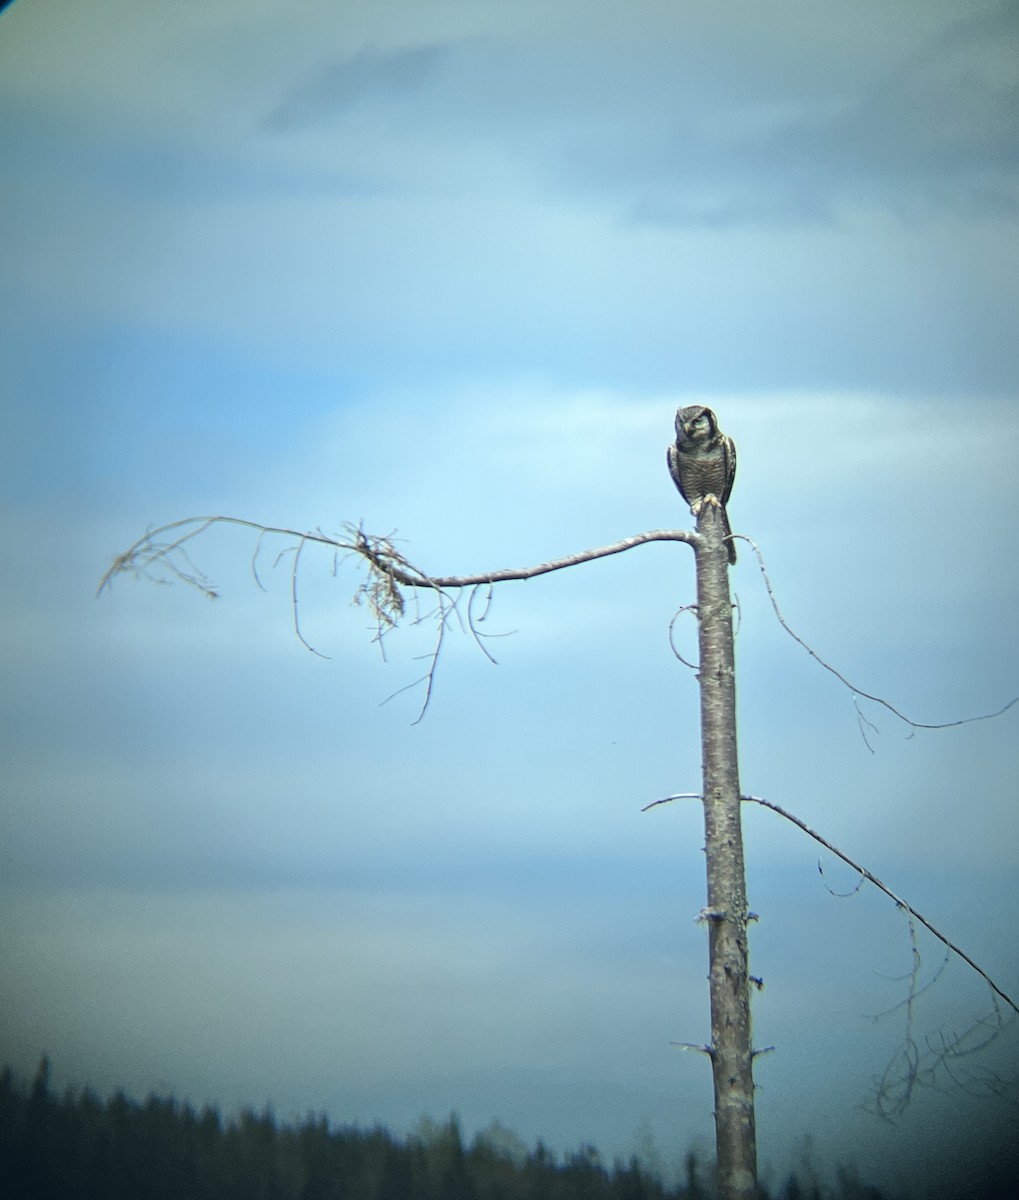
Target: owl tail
<point>730,545</point>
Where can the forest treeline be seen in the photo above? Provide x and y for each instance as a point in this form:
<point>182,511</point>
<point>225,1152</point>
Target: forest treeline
<point>77,1146</point>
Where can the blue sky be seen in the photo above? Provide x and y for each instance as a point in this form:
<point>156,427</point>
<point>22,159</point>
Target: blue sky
<point>449,269</point>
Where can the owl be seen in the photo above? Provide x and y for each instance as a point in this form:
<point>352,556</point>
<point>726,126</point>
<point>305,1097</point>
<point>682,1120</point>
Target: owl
<point>702,462</point>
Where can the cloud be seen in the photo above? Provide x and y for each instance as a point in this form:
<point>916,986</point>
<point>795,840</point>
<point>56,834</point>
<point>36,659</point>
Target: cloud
<point>937,132</point>
<point>370,74</point>
<point>940,132</point>
<point>672,116</point>
<point>651,204</point>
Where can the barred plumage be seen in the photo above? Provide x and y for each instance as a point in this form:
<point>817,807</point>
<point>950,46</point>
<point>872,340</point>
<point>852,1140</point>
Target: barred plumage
<point>702,462</point>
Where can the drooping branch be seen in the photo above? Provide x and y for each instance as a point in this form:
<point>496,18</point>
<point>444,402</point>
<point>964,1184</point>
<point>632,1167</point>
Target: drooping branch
<point>865,874</point>
<point>915,1063</point>
<point>151,550</point>
<point>920,1063</point>
<point>883,887</point>
<point>842,679</point>
<point>162,556</point>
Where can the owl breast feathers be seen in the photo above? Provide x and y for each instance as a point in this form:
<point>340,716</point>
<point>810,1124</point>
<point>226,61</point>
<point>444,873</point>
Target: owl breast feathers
<point>702,462</point>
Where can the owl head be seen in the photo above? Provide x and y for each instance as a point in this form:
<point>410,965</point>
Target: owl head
<point>695,423</point>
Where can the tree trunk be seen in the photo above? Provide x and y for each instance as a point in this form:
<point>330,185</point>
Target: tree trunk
<point>726,913</point>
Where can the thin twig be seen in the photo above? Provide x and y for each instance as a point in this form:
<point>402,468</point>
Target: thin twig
<point>868,875</point>
<point>692,1046</point>
<point>865,724</point>
<point>911,1066</point>
<point>872,878</point>
<point>388,571</point>
<point>378,551</point>
<point>851,686</point>
<point>831,891</point>
<point>690,608</point>
<point>669,799</point>
<point>293,600</point>
<point>473,621</point>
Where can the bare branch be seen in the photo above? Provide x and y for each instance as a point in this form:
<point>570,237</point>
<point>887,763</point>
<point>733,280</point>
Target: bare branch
<point>941,1054</point>
<point>140,559</point>
<point>445,606</point>
<point>851,686</point>
<point>912,1066</point>
<point>555,564</point>
<point>686,608</point>
<point>694,1048</point>
<point>868,875</point>
<point>254,563</point>
<point>900,903</point>
<point>293,600</point>
<point>162,561</point>
<point>148,551</point>
<point>913,975</point>
<point>669,799</point>
<point>831,891</point>
<point>865,724</point>
<point>474,621</point>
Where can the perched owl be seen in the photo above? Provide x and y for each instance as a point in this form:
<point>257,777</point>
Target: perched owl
<point>702,462</point>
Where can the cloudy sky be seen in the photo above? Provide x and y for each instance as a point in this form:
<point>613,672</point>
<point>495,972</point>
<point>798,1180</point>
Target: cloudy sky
<point>449,268</point>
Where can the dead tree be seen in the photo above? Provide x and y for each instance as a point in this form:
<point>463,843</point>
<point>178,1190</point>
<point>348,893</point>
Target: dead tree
<point>727,913</point>
<point>163,554</point>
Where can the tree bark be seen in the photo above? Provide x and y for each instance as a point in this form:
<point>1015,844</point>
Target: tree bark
<point>726,913</point>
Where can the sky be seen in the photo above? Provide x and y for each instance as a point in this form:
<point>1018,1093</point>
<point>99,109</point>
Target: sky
<point>448,269</point>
